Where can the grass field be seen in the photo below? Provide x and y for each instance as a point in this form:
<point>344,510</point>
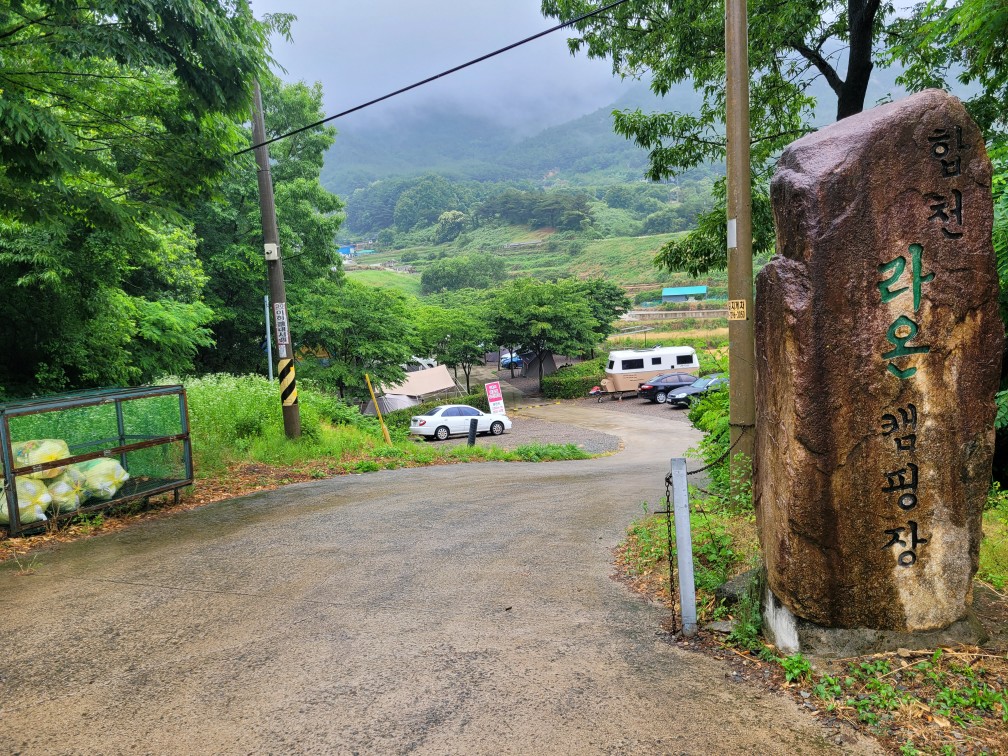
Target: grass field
<point>387,279</point>
<point>699,335</point>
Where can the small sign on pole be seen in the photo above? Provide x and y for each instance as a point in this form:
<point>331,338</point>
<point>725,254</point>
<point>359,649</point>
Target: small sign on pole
<point>283,332</point>
<point>736,309</point>
<point>494,397</point>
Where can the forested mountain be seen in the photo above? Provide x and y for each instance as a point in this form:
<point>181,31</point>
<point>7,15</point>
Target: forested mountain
<point>467,147</point>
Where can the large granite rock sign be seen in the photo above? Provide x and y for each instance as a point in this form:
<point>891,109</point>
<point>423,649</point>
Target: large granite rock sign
<point>878,355</point>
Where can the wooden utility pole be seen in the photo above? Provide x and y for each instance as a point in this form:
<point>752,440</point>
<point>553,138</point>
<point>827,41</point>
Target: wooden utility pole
<point>274,268</point>
<point>741,341</point>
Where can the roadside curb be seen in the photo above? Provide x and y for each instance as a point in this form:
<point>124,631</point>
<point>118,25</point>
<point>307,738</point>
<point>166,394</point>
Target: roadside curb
<point>550,403</point>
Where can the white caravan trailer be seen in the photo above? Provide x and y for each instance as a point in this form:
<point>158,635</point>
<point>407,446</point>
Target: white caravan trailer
<point>627,368</point>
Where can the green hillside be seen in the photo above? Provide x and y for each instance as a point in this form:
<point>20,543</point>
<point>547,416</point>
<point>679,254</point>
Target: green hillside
<point>431,188</point>
<point>467,147</point>
<point>622,260</point>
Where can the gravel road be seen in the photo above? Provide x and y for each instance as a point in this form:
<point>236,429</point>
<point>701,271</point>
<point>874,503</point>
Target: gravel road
<point>453,609</point>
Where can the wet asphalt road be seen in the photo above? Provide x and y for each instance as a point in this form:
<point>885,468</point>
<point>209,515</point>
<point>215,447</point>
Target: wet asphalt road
<point>455,609</point>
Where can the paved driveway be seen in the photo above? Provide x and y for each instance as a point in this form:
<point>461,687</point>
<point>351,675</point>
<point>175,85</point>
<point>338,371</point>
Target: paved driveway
<point>458,609</point>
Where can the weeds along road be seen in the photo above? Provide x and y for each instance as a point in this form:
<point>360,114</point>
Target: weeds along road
<point>456,609</point>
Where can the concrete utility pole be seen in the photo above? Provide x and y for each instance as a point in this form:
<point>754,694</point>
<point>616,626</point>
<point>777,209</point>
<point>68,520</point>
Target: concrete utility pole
<point>274,267</point>
<point>741,342</point>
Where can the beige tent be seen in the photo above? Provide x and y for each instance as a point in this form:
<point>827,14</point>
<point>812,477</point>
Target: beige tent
<point>419,386</point>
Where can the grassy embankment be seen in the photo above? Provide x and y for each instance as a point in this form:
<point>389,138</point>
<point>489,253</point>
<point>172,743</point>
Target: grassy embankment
<point>236,420</point>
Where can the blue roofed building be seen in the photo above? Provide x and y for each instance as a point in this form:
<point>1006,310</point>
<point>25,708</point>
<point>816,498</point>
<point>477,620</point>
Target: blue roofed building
<point>683,293</point>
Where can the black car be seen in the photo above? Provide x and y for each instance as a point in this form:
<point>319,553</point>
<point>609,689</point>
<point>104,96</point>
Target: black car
<point>684,397</point>
<point>658,388</point>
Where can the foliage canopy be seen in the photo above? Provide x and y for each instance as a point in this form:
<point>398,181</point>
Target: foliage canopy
<point>114,115</point>
<point>790,45</point>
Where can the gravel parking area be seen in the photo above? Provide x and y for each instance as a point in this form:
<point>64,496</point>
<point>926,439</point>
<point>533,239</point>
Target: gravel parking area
<point>529,386</point>
<point>528,430</point>
<point>636,406</point>
<point>521,392</point>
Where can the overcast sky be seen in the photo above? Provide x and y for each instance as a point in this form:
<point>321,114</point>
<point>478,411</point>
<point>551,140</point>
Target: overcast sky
<point>363,49</point>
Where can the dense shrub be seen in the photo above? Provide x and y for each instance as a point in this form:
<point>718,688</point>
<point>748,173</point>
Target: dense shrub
<point>573,381</point>
<point>733,488</point>
<point>709,413</point>
<point>648,295</point>
<point>224,408</point>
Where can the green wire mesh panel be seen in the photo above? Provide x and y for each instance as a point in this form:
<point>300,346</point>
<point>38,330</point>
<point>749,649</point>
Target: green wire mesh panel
<point>85,451</point>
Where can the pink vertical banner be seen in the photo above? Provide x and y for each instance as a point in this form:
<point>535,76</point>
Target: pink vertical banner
<point>495,397</point>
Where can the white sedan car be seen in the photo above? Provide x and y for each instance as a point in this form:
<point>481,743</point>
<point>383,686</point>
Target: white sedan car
<point>451,419</point>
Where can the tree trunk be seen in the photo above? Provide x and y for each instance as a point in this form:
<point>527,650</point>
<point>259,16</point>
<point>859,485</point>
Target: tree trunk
<point>860,22</point>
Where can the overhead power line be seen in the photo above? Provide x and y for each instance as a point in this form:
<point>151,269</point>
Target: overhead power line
<point>429,79</point>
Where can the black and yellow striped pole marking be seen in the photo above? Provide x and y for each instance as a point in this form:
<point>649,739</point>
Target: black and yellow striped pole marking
<point>289,398</point>
<point>288,385</point>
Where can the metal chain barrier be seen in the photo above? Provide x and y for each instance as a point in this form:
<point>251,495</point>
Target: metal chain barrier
<point>673,583</point>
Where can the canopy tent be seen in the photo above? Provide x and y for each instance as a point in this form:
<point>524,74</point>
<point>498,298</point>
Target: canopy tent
<point>390,403</point>
<point>418,386</point>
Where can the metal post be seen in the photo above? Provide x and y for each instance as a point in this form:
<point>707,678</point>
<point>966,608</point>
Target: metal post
<point>684,546</point>
<point>269,341</point>
<point>274,267</point>
<point>187,441</point>
<point>121,426</point>
<point>741,342</point>
<point>9,481</point>
<point>381,420</point>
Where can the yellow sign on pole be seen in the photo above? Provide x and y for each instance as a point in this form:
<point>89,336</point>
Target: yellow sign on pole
<point>736,309</point>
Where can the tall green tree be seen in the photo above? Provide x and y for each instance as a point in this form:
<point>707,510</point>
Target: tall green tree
<point>230,228</point>
<point>124,95</point>
<point>358,330</point>
<point>965,41</point>
<point>790,45</point>
<point>465,272</point>
<point>424,202</point>
<point>607,301</point>
<point>455,336</point>
<point>543,317</point>
<point>114,116</point>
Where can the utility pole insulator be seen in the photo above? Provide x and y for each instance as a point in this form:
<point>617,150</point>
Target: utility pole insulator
<point>274,268</point>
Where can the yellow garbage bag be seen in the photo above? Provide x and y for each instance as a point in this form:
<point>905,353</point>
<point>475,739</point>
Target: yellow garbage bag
<point>33,498</point>
<point>102,477</point>
<point>40,451</point>
<point>69,490</point>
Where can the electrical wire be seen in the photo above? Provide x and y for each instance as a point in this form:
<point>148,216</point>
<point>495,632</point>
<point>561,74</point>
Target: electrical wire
<point>429,79</point>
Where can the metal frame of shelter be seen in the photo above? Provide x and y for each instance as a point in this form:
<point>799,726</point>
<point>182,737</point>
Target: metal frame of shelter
<point>116,447</point>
